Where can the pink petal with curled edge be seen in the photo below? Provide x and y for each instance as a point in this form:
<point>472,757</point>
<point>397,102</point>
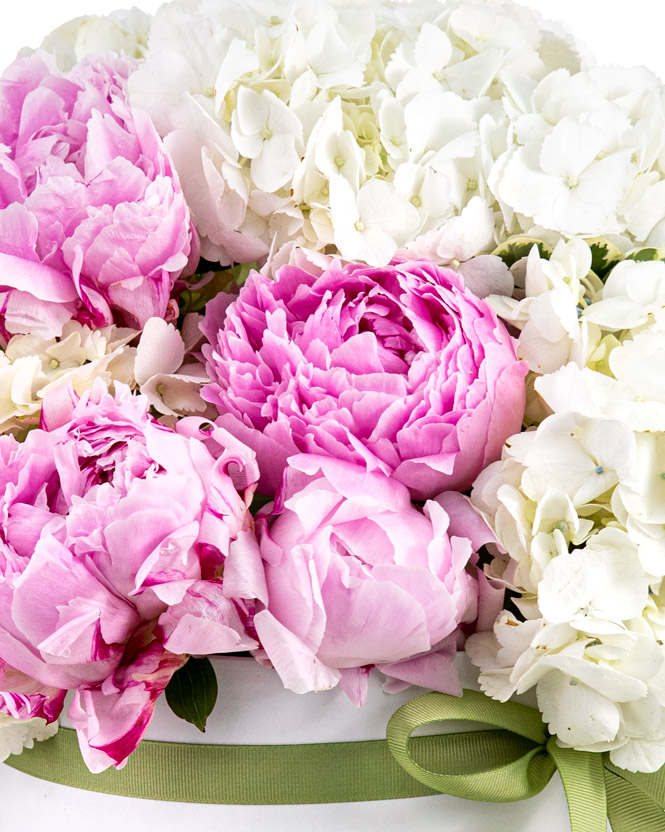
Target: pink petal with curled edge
<point>490,602</point>
<point>35,278</point>
<point>434,671</point>
<point>299,668</point>
<point>465,519</point>
<point>354,681</point>
<point>204,637</point>
<point>111,721</point>
<point>204,622</point>
<point>273,452</point>
<point>244,574</point>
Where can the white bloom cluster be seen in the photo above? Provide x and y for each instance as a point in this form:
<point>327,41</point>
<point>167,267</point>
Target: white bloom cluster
<point>578,507</point>
<point>167,369</point>
<point>163,366</point>
<point>120,31</point>
<point>15,734</point>
<point>31,367</point>
<point>601,692</point>
<point>554,289</point>
<point>587,156</point>
<point>356,129</point>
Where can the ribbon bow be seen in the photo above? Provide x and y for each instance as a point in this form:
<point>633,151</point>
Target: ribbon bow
<point>516,760</point>
<point>512,761</point>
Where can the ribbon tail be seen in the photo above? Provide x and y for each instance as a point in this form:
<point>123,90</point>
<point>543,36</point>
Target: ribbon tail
<point>582,776</point>
<point>630,809</point>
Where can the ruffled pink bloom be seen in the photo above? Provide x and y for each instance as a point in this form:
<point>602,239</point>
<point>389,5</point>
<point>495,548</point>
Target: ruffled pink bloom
<point>93,222</point>
<point>28,698</point>
<point>116,538</point>
<point>400,369</point>
<point>111,719</point>
<point>358,577</point>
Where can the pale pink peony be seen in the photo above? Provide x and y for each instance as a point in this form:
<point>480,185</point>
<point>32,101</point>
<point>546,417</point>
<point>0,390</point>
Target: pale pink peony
<point>400,369</point>
<point>93,222</point>
<point>357,578</point>
<point>114,538</point>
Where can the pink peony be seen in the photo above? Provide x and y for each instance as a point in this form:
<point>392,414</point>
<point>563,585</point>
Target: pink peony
<point>357,578</point>
<point>28,698</point>
<point>114,536</point>
<point>400,369</point>
<point>93,222</point>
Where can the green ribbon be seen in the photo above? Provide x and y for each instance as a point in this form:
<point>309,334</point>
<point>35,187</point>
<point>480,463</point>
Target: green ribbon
<point>595,789</point>
<point>512,761</point>
<point>240,774</point>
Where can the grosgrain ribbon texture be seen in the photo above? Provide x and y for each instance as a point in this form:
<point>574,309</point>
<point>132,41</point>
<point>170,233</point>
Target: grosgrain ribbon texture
<point>488,766</point>
<point>513,760</point>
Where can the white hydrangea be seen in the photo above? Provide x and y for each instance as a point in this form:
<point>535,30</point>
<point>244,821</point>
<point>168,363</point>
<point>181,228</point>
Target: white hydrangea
<point>121,31</point>
<point>166,371</point>
<point>595,588</point>
<point>555,289</point>
<point>17,734</point>
<point>457,243</point>
<point>31,367</point>
<point>265,131</point>
<point>639,501</point>
<point>552,488</point>
<point>442,101</point>
<point>163,366</point>
<point>633,296</point>
<point>577,505</point>
<point>350,129</point>
<point>597,692</point>
<point>633,391</point>
<point>586,155</point>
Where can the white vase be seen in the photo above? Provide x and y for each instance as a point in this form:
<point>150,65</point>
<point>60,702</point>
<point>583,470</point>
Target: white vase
<point>253,708</point>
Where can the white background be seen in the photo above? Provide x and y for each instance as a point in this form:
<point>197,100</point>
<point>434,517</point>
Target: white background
<point>242,715</point>
<point>617,31</point>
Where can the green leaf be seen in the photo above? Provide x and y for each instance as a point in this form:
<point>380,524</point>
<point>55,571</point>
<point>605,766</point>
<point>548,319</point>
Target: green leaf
<point>646,254</point>
<point>192,692</point>
<point>202,289</point>
<point>515,248</point>
<point>258,501</point>
<point>604,255</point>
<point>241,272</point>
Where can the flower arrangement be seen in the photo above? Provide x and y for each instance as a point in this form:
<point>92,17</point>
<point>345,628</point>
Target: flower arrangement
<point>331,335</point>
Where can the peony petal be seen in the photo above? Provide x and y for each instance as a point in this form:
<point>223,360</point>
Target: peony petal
<point>160,350</point>
<point>298,667</point>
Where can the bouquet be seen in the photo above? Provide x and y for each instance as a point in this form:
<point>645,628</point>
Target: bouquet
<point>331,335</point>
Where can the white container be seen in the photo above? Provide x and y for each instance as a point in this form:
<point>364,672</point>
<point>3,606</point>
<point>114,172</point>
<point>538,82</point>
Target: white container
<point>253,708</point>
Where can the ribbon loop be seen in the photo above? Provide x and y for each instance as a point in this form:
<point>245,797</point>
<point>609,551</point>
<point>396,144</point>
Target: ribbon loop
<point>510,764</point>
<point>517,761</point>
